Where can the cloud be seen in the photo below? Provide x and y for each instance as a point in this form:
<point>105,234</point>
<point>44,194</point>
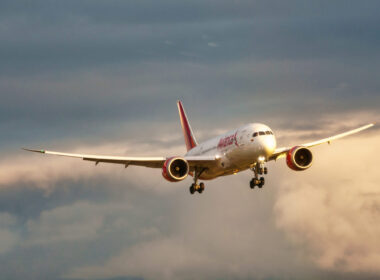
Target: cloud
<point>46,170</point>
<point>166,259</point>
<point>331,212</point>
<point>8,240</point>
<point>228,231</point>
<point>327,216</point>
<point>84,76</point>
<point>211,238</point>
<point>212,45</point>
<point>81,221</point>
<point>8,237</point>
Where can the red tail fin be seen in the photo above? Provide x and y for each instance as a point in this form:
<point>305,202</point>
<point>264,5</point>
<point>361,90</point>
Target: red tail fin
<point>186,128</point>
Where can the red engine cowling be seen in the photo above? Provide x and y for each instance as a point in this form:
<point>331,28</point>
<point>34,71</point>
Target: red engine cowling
<point>175,169</point>
<point>299,158</point>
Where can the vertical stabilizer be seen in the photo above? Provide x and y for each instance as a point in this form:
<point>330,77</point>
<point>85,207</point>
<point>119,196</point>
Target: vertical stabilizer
<point>186,128</point>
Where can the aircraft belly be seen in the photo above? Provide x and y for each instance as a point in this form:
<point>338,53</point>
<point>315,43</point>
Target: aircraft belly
<point>242,157</point>
<point>235,160</point>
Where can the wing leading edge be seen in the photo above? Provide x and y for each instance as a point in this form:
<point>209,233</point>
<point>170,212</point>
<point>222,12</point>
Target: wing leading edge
<point>281,152</point>
<point>152,162</point>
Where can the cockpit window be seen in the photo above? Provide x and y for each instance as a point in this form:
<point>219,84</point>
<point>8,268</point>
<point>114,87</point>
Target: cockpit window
<point>255,134</point>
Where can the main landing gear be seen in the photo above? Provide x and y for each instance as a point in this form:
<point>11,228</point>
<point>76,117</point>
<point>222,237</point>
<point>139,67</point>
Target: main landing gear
<point>194,186</point>
<point>197,188</point>
<point>258,169</point>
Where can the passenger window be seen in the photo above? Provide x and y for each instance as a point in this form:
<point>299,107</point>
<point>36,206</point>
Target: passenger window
<point>255,134</point>
<point>261,133</point>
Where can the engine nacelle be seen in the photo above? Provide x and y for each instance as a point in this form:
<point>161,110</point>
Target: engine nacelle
<point>299,158</point>
<point>175,169</point>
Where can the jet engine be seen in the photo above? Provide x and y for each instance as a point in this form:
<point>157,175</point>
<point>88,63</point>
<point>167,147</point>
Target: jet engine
<point>299,158</point>
<point>175,169</point>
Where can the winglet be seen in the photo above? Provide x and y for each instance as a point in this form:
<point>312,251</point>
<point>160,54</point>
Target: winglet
<point>190,140</point>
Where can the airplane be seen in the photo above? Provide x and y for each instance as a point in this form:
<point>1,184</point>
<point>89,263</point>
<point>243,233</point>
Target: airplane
<point>248,147</point>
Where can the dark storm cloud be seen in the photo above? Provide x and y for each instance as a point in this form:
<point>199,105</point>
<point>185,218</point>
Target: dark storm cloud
<point>170,10</point>
<point>44,235</point>
<point>69,34</point>
<point>82,65</point>
<point>12,200</point>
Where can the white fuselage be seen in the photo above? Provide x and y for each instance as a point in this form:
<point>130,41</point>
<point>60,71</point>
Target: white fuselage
<point>237,150</point>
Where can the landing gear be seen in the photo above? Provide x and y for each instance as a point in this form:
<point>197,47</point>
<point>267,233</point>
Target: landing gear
<point>261,183</point>
<point>197,188</point>
<point>254,182</point>
<point>258,169</point>
<point>201,187</point>
<point>192,189</point>
<point>257,182</point>
<point>262,170</point>
<point>194,186</point>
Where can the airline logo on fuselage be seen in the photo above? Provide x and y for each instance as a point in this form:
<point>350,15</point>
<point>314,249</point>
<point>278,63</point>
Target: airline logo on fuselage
<point>228,141</point>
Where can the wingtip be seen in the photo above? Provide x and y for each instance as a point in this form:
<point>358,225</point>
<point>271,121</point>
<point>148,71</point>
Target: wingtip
<point>34,151</point>
<point>370,125</point>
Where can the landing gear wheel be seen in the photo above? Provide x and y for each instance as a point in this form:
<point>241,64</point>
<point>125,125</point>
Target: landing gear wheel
<point>252,184</point>
<point>192,189</point>
<point>201,187</point>
<point>258,169</point>
<point>261,182</point>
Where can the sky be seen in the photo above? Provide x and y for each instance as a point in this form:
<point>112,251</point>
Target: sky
<point>103,77</point>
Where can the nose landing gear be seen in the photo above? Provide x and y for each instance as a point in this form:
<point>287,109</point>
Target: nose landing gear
<point>258,169</point>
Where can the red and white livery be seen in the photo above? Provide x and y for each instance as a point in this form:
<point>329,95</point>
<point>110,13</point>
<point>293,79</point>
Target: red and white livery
<point>247,147</point>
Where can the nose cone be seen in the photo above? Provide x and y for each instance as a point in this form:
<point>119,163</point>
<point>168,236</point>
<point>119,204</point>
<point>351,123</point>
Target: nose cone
<point>269,145</point>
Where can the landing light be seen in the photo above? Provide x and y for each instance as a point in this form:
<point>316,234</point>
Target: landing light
<point>261,158</point>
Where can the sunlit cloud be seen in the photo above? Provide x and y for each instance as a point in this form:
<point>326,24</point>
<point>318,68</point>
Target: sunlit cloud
<point>331,212</point>
<point>327,213</point>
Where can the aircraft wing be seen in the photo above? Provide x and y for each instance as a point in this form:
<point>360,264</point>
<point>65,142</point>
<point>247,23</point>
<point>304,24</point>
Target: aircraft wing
<point>281,152</point>
<point>152,162</point>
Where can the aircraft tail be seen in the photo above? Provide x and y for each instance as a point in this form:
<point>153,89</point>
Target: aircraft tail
<point>190,140</point>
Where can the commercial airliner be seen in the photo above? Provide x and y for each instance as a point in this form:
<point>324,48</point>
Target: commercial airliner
<point>247,147</point>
